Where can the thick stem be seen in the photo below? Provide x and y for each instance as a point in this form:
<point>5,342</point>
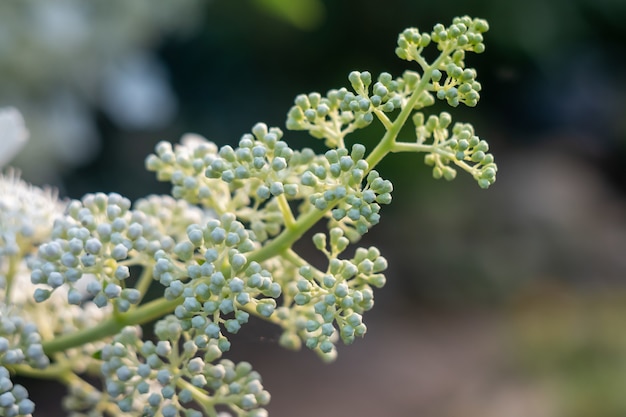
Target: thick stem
<point>289,236</point>
<point>144,282</point>
<point>144,314</point>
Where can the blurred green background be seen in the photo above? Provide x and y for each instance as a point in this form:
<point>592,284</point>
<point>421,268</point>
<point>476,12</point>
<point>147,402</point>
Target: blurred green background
<point>506,302</point>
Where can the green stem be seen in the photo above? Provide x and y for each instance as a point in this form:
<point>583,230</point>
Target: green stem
<point>143,314</point>
<point>288,237</point>
<point>144,281</point>
<point>13,262</point>
<point>283,205</point>
<point>53,371</point>
<point>199,396</point>
<point>389,139</point>
<point>420,147</point>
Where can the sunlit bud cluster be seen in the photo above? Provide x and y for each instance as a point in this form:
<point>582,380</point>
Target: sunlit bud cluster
<point>330,118</point>
<point>463,148</point>
<point>238,179</point>
<point>217,285</point>
<point>328,305</point>
<point>341,111</point>
<point>342,181</point>
<point>459,84</point>
<point>103,237</point>
<point>179,369</point>
<point>14,399</point>
<point>464,34</point>
<point>20,343</point>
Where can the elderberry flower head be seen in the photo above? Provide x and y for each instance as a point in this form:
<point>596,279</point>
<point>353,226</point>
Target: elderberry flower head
<point>181,367</point>
<point>102,236</point>
<point>14,399</point>
<point>327,305</point>
<point>225,246</point>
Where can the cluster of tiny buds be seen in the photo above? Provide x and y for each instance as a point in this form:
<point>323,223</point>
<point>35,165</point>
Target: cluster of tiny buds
<point>262,156</point>
<point>462,147</point>
<point>231,180</point>
<point>184,167</point>
<point>174,372</point>
<point>20,342</point>
<point>14,399</point>
<point>99,236</point>
<point>340,295</point>
<point>460,85</point>
<point>337,180</point>
<point>464,34</point>
<point>220,282</point>
<point>342,111</point>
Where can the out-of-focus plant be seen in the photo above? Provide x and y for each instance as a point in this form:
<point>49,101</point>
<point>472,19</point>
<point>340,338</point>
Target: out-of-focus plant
<point>59,60</point>
<point>303,14</point>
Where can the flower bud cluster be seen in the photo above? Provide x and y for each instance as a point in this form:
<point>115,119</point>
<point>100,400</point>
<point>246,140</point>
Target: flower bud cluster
<point>342,111</point>
<point>236,180</point>
<point>387,94</point>
<point>102,237</point>
<point>465,34</point>
<point>167,377</point>
<point>330,304</point>
<point>262,168</point>
<point>57,318</point>
<point>337,180</point>
<point>460,85</point>
<point>332,117</point>
<point>184,167</point>
<point>20,341</point>
<point>216,282</point>
<point>463,148</point>
<point>14,399</point>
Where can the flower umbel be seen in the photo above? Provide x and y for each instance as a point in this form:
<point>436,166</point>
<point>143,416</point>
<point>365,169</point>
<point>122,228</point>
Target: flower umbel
<point>221,251</point>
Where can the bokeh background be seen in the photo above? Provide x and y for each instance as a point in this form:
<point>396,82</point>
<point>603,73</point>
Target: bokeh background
<point>507,302</point>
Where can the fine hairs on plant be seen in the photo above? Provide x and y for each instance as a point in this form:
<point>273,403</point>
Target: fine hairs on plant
<point>220,248</point>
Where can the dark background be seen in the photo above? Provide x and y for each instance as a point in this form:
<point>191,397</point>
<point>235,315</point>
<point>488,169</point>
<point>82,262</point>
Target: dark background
<point>502,302</point>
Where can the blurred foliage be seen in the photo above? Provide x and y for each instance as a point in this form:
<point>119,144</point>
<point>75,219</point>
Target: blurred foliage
<point>63,62</point>
<point>573,345</point>
<point>302,14</point>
